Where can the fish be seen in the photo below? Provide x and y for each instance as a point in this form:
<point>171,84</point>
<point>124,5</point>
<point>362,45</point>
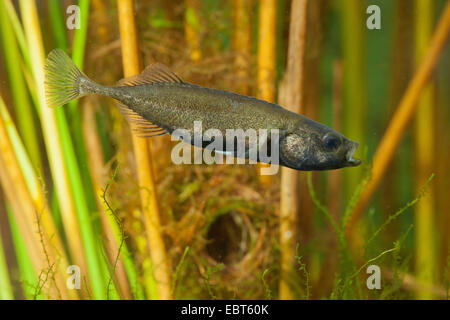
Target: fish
<point>157,102</point>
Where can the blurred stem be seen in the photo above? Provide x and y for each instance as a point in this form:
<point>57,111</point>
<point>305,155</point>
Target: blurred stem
<point>22,105</point>
<point>35,223</point>
<point>311,107</point>
<point>334,190</point>
<point>31,88</point>
<point>267,30</point>
<point>27,276</point>
<point>426,264</point>
<point>83,192</point>
<point>149,203</point>
<point>78,45</point>
<point>96,166</point>
<point>242,44</point>
<point>18,31</point>
<point>291,96</point>
<point>114,239</point>
<point>79,37</point>
<point>52,136</point>
<point>126,259</point>
<point>409,283</point>
<point>403,114</point>
<point>57,23</point>
<point>31,179</point>
<point>101,19</point>
<point>355,89</point>
<point>192,28</point>
<point>335,176</point>
<point>6,292</point>
<point>69,216</point>
<point>73,110</point>
<point>400,69</point>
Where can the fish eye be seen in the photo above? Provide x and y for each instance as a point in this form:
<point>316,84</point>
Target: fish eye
<point>331,142</point>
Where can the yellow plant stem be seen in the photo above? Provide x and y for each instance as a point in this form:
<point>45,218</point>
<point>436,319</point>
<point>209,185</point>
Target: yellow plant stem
<point>242,45</point>
<point>31,179</point>
<point>403,115</point>
<point>192,29</point>
<point>51,136</point>
<point>292,98</point>
<point>35,223</point>
<point>23,107</point>
<point>266,60</point>
<point>101,17</point>
<point>149,202</point>
<point>425,258</point>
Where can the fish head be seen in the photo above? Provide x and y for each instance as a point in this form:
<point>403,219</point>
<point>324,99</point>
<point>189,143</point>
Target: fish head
<point>317,147</point>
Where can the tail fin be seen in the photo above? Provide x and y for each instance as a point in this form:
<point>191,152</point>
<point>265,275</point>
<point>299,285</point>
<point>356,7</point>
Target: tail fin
<point>62,79</point>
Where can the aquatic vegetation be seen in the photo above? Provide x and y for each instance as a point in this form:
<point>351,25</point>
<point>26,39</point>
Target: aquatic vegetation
<point>89,210</point>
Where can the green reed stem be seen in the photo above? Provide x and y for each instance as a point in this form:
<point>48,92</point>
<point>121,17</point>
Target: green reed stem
<point>27,276</point>
<point>95,262</point>
<point>354,90</point>
<point>22,104</point>
<point>58,25</point>
<point>73,108</point>
<point>6,292</point>
<point>18,31</point>
<point>34,40</point>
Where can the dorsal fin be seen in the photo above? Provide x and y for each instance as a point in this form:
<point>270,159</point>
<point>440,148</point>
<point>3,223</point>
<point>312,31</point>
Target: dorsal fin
<point>155,73</point>
<point>139,125</point>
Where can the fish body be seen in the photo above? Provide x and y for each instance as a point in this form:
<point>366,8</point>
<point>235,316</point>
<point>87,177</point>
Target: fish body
<point>173,105</point>
<point>157,102</point>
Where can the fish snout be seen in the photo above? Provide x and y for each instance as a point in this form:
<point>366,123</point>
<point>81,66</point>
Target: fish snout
<point>352,162</point>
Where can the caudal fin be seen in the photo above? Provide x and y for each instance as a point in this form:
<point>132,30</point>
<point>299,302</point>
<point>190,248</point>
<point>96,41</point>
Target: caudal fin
<point>62,79</point>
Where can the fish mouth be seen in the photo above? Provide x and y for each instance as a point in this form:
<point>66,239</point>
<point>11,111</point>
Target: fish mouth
<point>352,162</point>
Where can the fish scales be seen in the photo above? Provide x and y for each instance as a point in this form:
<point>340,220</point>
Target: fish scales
<point>175,106</point>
